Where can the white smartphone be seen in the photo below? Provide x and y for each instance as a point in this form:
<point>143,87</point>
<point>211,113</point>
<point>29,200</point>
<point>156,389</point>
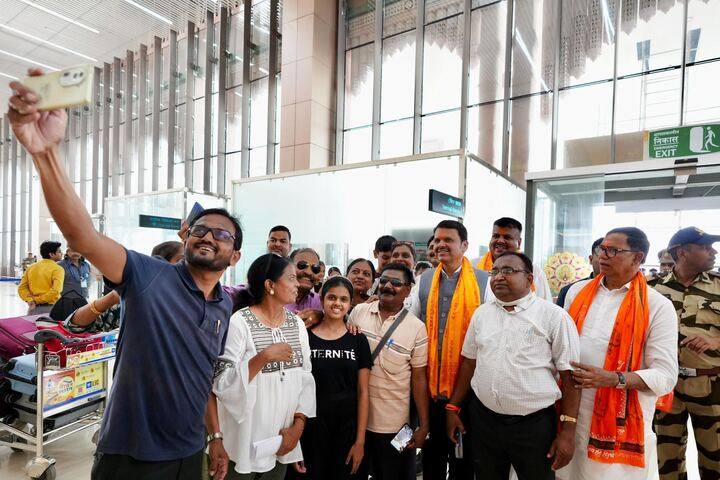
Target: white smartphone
<point>71,87</point>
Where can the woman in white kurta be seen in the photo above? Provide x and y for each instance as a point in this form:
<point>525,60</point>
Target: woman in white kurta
<point>659,370</point>
<point>263,381</point>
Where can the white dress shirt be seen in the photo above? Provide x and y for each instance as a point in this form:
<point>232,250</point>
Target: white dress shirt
<point>658,369</point>
<point>518,354</point>
<point>542,287</point>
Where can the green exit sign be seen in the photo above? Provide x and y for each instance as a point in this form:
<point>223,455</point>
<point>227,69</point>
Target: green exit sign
<point>153,221</point>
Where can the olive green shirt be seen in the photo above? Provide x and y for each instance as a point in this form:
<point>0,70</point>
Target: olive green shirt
<point>698,310</point>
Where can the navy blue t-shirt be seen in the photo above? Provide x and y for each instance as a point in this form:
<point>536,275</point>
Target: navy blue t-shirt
<point>169,340</point>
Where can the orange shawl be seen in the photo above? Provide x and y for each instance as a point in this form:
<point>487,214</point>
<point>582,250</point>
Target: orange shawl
<point>466,299</point>
<point>486,263</point>
<point>617,432</point>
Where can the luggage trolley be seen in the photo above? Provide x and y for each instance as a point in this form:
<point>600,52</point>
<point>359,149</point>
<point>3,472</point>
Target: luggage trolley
<point>56,394</point>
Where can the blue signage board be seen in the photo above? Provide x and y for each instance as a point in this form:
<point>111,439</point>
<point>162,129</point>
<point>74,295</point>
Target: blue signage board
<point>446,204</point>
<point>153,221</point>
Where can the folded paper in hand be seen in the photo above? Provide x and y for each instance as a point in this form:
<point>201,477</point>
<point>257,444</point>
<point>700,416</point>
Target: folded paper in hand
<point>266,448</point>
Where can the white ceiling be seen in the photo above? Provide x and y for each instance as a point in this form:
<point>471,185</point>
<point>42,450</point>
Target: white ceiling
<point>121,26</point>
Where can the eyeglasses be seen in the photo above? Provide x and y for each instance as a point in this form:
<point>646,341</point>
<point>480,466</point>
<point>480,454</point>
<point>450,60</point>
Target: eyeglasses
<point>505,271</point>
<point>218,234</point>
<point>611,251</point>
<point>395,282</point>
<point>302,265</point>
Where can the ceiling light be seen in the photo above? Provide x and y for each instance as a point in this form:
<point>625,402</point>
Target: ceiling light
<point>29,61</point>
<point>67,19</point>
<point>149,12</point>
<point>46,42</point>
<point>9,76</point>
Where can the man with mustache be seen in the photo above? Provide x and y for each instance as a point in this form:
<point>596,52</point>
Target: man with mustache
<point>694,289</point>
<point>507,237</point>
<point>399,368</point>
<point>446,298</point>
<point>515,348</point>
<point>307,267</point>
<point>628,359</point>
<point>175,317</point>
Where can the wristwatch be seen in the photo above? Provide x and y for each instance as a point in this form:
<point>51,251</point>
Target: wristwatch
<point>214,436</point>
<point>568,418</point>
<point>622,384</point>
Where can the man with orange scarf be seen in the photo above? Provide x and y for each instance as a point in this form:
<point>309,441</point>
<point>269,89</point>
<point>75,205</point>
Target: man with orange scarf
<point>628,358</point>
<point>445,300</point>
<point>507,237</point>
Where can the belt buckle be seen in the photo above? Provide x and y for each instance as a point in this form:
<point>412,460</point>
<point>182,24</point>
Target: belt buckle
<point>687,372</point>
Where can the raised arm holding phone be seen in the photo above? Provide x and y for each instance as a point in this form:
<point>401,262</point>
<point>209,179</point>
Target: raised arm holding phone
<point>175,317</point>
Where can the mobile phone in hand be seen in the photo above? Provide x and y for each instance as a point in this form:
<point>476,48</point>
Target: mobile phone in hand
<point>458,444</point>
<point>194,212</point>
<point>71,87</point>
<point>402,438</point>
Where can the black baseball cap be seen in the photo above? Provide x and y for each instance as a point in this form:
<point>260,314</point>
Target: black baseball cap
<point>692,235</point>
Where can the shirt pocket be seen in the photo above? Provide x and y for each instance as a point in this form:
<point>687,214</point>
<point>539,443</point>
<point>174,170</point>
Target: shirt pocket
<point>708,312</point>
<point>211,334</point>
<point>392,361</point>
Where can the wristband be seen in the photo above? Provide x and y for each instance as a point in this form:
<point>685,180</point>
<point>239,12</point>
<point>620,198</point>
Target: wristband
<point>300,416</point>
<point>452,408</point>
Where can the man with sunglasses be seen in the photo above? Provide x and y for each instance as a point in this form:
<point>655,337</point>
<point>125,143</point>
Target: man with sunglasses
<point>307,267</point>
<point>514,349</point>
<point>175,317</point>
<point>694,288</point>
<point>399,369</point>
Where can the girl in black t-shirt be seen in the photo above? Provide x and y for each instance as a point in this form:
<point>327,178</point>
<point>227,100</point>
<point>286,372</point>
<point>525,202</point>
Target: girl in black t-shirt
<point>333,442</point>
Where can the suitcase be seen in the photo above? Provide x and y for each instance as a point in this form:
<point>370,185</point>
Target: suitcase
<point>24,409</point>
<point>13,341</point>
<point>22,373</point>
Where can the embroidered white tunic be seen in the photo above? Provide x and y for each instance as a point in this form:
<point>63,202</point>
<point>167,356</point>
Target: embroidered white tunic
<point>250,411</point>
<point>659,370</point>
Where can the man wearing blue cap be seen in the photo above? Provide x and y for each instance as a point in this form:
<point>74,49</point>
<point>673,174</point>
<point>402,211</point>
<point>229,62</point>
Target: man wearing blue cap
<point>694,289</point>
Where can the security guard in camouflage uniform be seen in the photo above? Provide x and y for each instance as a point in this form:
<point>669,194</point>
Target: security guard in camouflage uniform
<point>695,292</point>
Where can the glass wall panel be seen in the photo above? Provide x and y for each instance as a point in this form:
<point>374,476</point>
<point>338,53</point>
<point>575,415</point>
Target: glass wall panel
<point>437,9</point>
<point>357,145</point>
<point>487,54</point>
<point>440,132</point>
<point>258,113</point>
<point>198,129</point>
<point>360,25</point>
<point>702,103</point>
<point>396,138</point>
<point>587,41</point>
<point>703,30</point>
<point>534,46</point>
<point>260,38</point>
<point>399,16</point>
<point>485,132</point>
<point>651,39</point>
<point>584,139</point>
<point>359,86</point>
<point>233,102</point>
<point>530,135</point>
<point>398,77</point>
<point>258,161</point>
<point>200,55</point>
<point>442,60</point>
<point>648,102</point>
<point>235,49</point>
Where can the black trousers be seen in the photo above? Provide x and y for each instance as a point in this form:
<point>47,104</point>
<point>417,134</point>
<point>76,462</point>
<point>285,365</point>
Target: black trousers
<point>384,461</point>
<point>438,454</point>
<point>522,441</point>
<point>123,467</point>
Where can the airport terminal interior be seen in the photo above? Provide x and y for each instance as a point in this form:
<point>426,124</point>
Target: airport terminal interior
<point>347,120</point>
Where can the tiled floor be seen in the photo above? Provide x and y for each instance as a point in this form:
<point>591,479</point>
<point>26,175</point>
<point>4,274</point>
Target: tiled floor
<point>74,453</point>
